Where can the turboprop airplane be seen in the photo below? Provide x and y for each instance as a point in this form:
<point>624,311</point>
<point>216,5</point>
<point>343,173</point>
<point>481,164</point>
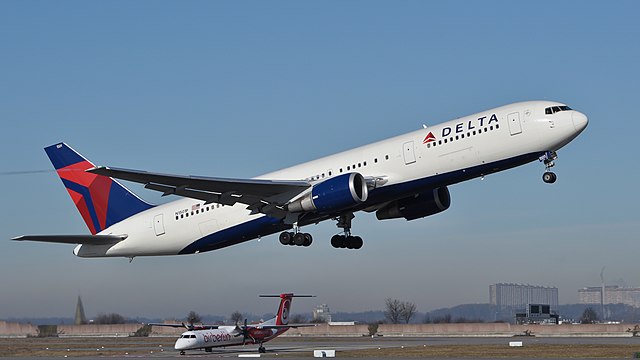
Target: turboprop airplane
<point>404,176</point>
<point>209,336</point>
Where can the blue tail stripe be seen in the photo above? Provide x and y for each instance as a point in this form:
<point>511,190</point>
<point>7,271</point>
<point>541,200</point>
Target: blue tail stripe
<point>123,204</point>
<point>87,198</point>
<point>62,155</point>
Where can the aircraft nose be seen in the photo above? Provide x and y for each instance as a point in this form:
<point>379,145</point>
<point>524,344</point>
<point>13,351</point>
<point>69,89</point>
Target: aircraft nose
<point>580,120</point>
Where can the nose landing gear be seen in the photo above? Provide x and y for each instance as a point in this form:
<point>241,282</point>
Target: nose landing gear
<point>548,158</point>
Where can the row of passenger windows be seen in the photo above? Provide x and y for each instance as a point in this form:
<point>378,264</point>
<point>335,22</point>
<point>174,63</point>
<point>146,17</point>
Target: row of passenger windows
<point>555,109</point>
<point>342,169</point>
<point>462,136</point>
<point>198,210</point>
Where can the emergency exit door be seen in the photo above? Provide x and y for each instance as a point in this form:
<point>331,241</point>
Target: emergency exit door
<point>515,127</point>
<point>158,225</point>
<point>409,153</point>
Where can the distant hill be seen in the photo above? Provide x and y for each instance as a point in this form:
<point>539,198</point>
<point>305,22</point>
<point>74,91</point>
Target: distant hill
<point>459,313</point>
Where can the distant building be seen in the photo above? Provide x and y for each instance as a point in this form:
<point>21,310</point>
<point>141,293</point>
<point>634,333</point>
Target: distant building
<point>613,294</point>
<point>322,313</point>
<point>80,319</point>
<point>511,296</point>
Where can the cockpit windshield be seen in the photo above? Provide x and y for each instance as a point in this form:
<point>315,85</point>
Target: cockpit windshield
<point>554,109</point>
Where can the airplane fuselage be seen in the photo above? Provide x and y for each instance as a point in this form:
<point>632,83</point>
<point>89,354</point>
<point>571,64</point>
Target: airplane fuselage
<point>395,168</point>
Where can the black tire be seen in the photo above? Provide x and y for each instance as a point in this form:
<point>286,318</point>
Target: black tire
<point>285,238</point>
<point>337,241</point>
<point>299,239</point>
<point>549,177</point>
<point>356,242</point>
<point>308,239</point>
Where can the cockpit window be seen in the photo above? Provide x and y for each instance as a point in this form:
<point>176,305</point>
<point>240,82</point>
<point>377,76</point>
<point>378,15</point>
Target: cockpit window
<point>555,109</point>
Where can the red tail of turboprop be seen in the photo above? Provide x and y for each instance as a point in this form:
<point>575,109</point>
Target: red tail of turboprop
<point>282,317</point>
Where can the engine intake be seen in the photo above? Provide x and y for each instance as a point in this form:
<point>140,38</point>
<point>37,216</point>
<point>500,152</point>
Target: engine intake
<point>418,206</point>
<point>334,194</point>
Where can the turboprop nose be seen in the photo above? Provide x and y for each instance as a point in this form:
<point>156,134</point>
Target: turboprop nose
<point>580,120</point>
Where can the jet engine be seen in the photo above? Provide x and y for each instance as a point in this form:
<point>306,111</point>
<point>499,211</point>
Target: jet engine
<point>417,206</point>
<point>334,194</point>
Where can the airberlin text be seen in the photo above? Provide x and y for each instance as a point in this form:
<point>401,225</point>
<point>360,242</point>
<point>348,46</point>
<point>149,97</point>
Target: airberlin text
<point>469,125</point>
<point>210,337</point>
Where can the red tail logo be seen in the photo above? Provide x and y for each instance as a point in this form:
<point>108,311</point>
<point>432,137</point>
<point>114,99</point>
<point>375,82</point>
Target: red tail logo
<point>283,311</point>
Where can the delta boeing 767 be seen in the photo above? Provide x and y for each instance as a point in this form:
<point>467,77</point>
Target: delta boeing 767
<point>404,176</point>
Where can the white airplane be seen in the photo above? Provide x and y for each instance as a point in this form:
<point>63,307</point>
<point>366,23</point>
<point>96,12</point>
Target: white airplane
<point>210,336</point>
<point>404,176</point>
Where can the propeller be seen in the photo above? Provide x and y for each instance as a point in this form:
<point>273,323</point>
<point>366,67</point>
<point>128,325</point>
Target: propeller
<point>244,331</point>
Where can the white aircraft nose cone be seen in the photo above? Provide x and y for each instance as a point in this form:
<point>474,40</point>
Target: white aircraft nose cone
<point>580,120</point>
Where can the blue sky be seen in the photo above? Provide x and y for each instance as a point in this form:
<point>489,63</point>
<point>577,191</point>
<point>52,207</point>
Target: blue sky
<point>241,88</point>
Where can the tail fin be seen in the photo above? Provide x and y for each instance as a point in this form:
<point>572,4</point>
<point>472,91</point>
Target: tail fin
<point>282,318</point>
<point>101,200</point>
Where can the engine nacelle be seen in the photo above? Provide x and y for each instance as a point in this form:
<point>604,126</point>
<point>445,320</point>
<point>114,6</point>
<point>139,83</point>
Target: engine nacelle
<point>415,207</point>
<point>335,194</point>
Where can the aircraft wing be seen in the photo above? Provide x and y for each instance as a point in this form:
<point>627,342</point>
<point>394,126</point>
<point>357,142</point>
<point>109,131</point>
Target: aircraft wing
<point>284,326</point>
<point>188,327</point>
<point>74,239</point>
<point>261,196</point>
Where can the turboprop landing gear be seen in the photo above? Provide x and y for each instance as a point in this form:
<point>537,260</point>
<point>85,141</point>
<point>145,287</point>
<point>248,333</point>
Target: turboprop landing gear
<point>346,241</point>
<point>296,237</point>
<point>548,158</point>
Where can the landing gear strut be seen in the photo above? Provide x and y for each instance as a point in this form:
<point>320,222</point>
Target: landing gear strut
<point>346,240</point>
<point>296,237</point>
<point>548,158</point>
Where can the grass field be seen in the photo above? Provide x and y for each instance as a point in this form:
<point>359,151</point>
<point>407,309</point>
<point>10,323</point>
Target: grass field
<point>72,347</point>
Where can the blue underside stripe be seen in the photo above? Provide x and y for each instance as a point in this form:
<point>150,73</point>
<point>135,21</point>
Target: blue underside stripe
<point>265,225</point>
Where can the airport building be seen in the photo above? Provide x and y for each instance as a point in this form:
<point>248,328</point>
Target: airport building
<point>613,294</point>
<point>321,313</point>
<point>511,296</point>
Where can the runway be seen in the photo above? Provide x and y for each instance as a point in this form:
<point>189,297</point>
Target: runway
<point>293,348</point>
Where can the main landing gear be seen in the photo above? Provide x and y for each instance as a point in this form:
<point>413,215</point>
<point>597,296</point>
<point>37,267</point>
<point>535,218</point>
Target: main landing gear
<point>262,349</point>
<point>296,237</point>
<point>549,177</point>
<point>346,241</point>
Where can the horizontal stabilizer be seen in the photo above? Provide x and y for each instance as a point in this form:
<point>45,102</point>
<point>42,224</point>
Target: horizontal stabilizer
<point>74,239</point>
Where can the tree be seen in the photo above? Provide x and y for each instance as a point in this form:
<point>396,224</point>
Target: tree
<point>112,318</point>
<point>373,329</point>
<point>589,316</point>
<point>193,318</point>
<point>236,317</point>
<point>407,310</point>
<point>393,310</point>
<point>298,319</point>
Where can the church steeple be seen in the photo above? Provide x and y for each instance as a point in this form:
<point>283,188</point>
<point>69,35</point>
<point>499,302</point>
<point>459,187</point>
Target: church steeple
<point>80,319</point>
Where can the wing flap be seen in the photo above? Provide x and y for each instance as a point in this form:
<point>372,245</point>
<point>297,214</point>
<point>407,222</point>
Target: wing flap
<point>74,239</point>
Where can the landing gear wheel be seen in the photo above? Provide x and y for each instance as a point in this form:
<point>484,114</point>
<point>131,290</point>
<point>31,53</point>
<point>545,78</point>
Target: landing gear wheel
<point>285,238</point>
<point>337,241</point>
<point>262,350</point>
<point>181,352</point>
<point>549,177</point>
<point>298,239</point>
<point>308,239</point>
<point>356,242</point>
